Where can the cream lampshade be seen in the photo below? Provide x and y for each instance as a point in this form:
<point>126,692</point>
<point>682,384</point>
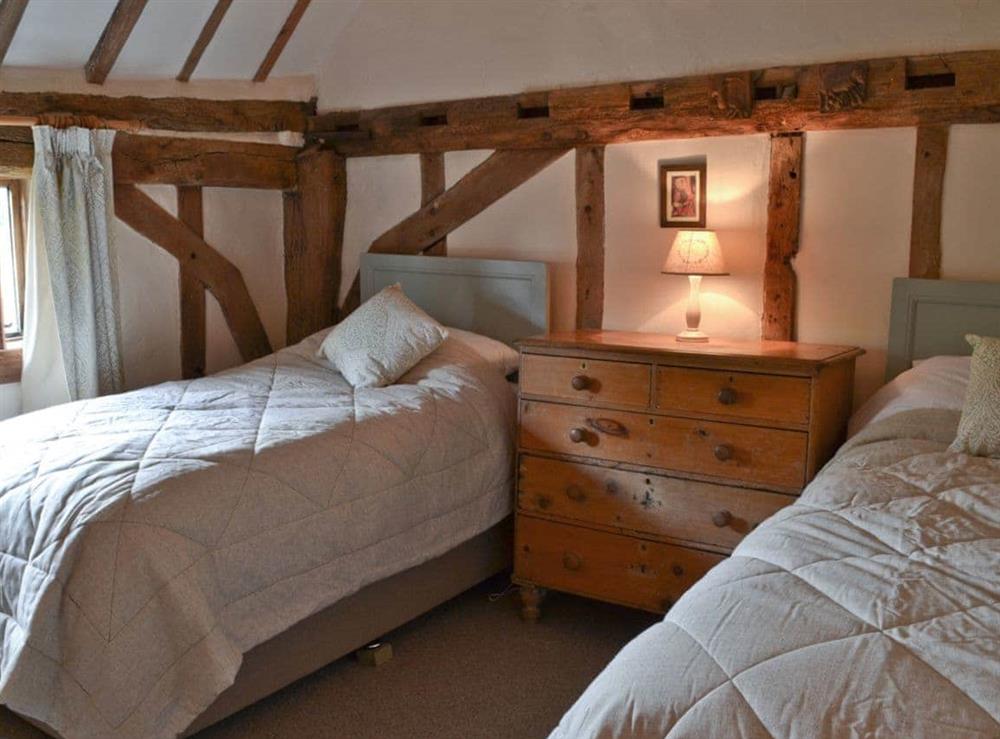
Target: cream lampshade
<point>695,254</point>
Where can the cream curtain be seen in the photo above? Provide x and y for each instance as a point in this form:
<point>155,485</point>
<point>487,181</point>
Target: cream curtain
<point>72,325</point>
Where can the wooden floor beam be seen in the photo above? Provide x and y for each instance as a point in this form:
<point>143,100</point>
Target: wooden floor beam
<point>192,291</point>
<point>928,187</point>
<point>783,209</point>
<point>217,273</point>
<point>590,237</point>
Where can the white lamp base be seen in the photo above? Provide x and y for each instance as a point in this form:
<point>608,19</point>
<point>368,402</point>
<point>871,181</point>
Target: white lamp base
<point>692,336</point>
<point>693,314</point>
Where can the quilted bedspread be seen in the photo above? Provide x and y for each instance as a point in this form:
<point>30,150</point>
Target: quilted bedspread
<point>869,608</point>
<point>148,540</point>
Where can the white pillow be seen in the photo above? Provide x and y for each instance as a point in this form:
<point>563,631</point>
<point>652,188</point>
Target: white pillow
<point>380,341</point>
<point>496,353</point>
<point>935,382</point>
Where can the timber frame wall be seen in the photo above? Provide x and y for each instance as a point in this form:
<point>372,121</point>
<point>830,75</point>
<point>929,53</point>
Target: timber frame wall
<point>527,133</point>
<point>531,130</point>
<point>312,181</point>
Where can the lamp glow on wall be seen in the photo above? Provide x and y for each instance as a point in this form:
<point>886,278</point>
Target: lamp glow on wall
<point>695,254</point>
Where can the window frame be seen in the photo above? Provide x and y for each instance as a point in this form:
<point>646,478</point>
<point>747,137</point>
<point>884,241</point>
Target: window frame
<point>10,351</point>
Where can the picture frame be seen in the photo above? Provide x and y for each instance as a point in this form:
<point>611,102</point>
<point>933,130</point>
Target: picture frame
<point>682,195</point>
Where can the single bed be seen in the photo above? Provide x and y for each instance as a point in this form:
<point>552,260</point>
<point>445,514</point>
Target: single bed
<point>173,554</point>
<point>870,607</point>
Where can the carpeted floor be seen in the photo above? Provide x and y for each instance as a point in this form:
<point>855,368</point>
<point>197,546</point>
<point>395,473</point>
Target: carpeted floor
<point>469,669</point>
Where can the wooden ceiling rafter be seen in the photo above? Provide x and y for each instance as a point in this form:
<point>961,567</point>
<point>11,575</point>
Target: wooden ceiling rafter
<point>204,39</point>
<point>112,41</point>
<point>937,89</point>
<point>11,12</point>
<point>281,40</point>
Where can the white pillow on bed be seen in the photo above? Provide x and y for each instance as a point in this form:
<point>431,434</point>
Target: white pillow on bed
<point>496,353</point>
<point>935,382</point>
<point>380,341</point>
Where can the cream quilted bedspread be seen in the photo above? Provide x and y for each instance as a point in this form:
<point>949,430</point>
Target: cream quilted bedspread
<point>870,608</point>
<point>148,539</point>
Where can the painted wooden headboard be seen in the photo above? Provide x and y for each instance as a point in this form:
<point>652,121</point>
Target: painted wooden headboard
<point>932,317</point>
<point>502,299</point>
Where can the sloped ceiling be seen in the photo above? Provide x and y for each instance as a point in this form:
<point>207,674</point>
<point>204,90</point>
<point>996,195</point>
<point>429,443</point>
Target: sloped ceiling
<point>60,34</point>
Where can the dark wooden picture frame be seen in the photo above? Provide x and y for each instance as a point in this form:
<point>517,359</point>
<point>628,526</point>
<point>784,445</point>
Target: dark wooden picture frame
<point>695,176</point>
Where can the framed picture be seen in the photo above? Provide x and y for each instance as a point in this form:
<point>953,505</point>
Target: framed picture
<point>682,195</point>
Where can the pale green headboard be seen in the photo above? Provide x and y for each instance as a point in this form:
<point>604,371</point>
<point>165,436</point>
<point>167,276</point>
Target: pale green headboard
<point>505,300</point>
<point>932,317</point>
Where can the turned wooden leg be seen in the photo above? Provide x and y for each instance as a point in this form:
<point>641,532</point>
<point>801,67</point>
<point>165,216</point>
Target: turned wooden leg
<point>531,598</point>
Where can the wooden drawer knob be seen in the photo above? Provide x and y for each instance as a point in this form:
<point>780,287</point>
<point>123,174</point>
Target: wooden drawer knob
<point>723,452</point>
<point>544,501</point>
<point>722,518</point>
<point>578,435</point>
<point>571,561</point>
<point>580,382</point>
<point>575,492</point>
<point>727,396</point>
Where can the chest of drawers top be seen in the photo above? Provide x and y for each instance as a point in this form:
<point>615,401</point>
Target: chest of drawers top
<point>780,357</point>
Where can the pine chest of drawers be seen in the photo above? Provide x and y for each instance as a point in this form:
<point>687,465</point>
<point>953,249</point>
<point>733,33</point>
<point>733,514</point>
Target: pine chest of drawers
<point>643,461</point>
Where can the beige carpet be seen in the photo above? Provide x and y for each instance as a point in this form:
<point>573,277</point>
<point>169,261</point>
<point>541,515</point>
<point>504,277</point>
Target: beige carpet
<point>469,669</point>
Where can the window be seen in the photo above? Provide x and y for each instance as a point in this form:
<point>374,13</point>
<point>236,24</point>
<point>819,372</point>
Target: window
<point>12,219</point>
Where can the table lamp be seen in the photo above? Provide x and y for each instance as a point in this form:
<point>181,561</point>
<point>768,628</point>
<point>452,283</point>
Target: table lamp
<point>695,254</point>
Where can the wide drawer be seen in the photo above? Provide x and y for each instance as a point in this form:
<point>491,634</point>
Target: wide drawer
<point>738,395</point>
<point>586,380</point>
<point>613,567</point>
<point>763,456</point>
<point>666,506</point>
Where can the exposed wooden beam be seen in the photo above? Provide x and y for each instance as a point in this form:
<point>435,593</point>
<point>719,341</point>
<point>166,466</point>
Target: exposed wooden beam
<point>590,237</point>
<point>928,186</point>
<point>204,39</point>
<point>478,189</point>
<point>11,12</point>
<point>314,240</point>
<point>203,162</point>
<point>216,272</point>
<point>169,113</point>
<point>783,208</point>
<point>192,291</point>
<point>298,10</point>
<point>941,89</point>
<point>167,160</point>
<point>112,41</point>
<point>432,184</point>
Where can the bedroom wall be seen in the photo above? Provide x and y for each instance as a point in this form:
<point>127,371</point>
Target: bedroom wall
<point>857,184</point>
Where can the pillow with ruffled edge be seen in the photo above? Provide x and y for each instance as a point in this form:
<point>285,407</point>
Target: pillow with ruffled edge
<point>979,427</point>
<point>380,341</point>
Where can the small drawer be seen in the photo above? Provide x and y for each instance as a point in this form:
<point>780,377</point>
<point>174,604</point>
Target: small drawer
<point>737,395</point>
<point>586,380</point>
<point>701,512</point>
<point>749,454</point>
<point>634,572</point>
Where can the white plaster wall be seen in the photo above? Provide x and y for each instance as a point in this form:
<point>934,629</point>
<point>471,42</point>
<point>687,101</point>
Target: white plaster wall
<point>857,184</point>
<point>245,226</point>
<point>857,193</point>
<point>10,400</point>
